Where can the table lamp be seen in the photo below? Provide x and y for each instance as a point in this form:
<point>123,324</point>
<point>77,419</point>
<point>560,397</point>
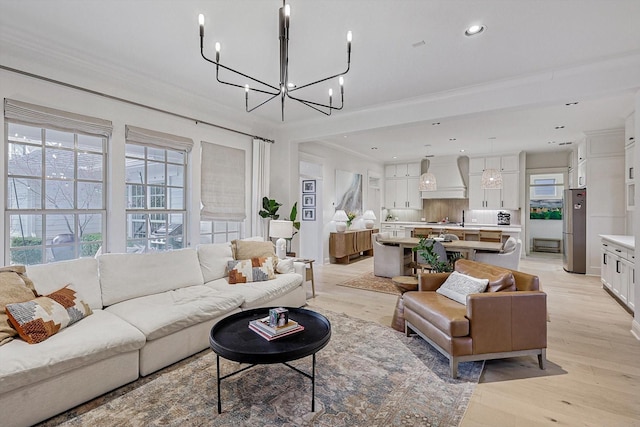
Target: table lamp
<point>369,219</point>
<point>340,218</point>
<point>282,230</point>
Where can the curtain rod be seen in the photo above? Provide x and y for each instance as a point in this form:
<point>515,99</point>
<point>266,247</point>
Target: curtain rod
<point>127,101</point>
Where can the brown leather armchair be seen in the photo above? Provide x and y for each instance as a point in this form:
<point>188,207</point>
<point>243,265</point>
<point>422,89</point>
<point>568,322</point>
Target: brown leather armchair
<point>509,319</point>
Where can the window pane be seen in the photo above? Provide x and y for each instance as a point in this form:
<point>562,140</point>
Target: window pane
<point>176,175</point>
<point>24,133</point>
<point>59,195</point>
<point>206,239</point>
<point>90,195</point>
<point>155,173</point>
<point>136,226</point>
<point>25,160</point>
<point>219,227</point>
<point>24,193</point>
<point>59,164</point>
<point>26,256</point>
<point>61,227</point>
<point>176,198</point>
<point>133,150</point>
<point>219,238</point>
<point>57,138</point>
<point>175,156</point>
<point>135,197</point>
<point>156,154</point>
<point>206,227</point>
<point>90,166</point>
<point>157,197</point>
<point>90,226</point>
<point>91,143</point>
<point>136,246</point>
<point>25,230</point>
<point>233,226</point>
<point>134,172</point>
<point>233,236</point>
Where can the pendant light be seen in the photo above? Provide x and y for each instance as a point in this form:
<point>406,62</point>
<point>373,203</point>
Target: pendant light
<point>427,180</point>
<point>491,177</point>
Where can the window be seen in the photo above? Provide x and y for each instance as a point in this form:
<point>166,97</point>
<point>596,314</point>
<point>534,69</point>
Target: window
<point>220,231</point>
<point>55,194</point>
<point>156,205</point>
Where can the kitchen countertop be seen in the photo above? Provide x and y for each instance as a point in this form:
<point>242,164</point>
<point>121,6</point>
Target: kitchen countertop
<point>628,242</point>
<point>467,226</point>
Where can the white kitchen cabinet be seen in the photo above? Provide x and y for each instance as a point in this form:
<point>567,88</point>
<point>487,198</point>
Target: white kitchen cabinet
<point>402,193</point>
<point>507,198</point>
<point>582,174</point>
<point>401,186</point>
<point>617,272</point>
<point>629,176</point>
<point>402,170</point>
<point>509,163</point>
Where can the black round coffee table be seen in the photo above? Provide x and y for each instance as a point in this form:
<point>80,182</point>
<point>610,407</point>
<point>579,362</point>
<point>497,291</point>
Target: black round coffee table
<point>232,339</point>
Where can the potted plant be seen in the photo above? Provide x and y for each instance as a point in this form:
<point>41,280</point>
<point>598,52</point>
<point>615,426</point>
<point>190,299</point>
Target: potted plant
<point>296,224</point>
<point>269,208</point>
<point>425,249</point>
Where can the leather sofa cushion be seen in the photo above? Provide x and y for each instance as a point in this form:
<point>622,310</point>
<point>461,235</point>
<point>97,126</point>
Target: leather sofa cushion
<point>444,313</point>
<point>500,279</point>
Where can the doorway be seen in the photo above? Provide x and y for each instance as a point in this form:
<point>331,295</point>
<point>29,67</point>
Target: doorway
<point>544,219</point>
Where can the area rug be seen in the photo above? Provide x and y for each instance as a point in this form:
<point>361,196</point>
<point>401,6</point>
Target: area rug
<point>368,375</point>
<point>370,282</point>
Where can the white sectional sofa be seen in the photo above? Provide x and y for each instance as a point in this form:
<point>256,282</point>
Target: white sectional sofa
<point>149,311</point>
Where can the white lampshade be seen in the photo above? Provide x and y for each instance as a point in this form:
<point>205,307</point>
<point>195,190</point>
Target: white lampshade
<point>428,182</point>
<point>491,179</point>
<point>369,217</point>
<point>340,218</point>
<point>282,230</point>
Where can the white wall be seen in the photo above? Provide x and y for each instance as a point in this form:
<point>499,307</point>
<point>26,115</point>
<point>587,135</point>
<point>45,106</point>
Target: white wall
<point>19,87</point>
<point>332,159</point>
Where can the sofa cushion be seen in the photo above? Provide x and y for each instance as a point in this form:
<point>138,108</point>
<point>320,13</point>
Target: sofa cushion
<point>213,259</point>
<point>127,276</point>
<point>251,270</point>
<point>259,294</point>
<point>285,266</point>
<point>97,337</point>
<point>442,312</point>
<point>509,245</point>
<point>247,249</point>
<point>500,279</point>
<point>458,286</point>
<point>13,289</point>
<point>81,273</point>
<point>161,314</point>
<point>42,317</point>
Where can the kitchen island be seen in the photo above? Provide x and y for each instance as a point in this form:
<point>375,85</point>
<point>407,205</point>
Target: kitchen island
<point>618,268</point>
<point>404,228</point>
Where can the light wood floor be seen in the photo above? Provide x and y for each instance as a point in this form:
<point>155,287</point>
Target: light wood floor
<point>593,361</point>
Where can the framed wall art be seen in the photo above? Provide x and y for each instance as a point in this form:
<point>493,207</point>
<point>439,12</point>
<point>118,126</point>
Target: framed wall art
<point>309,186</point>
<point>308,200</point>
<point>308,214</point>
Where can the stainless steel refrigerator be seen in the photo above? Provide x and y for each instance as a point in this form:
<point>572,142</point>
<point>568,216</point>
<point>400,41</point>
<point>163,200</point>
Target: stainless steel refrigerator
<point>574,230</point>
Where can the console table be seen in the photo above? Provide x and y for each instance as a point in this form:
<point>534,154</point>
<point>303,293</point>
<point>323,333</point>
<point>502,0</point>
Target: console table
<point>342,246</point>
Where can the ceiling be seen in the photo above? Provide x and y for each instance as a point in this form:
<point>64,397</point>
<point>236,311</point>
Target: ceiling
<point>412,65</point>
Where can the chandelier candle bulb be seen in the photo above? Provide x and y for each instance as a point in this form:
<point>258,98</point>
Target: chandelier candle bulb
<point>201,22</point>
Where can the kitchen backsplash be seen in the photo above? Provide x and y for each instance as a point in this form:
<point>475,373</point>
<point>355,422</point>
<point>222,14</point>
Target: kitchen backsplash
<point>438,209</point>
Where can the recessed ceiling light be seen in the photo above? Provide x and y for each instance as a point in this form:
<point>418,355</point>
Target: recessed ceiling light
<point>474,30</point>
<point>418,44</point>
<point>452,139</point>
<point>551,142</point>
<point>435,124</point>
<point>560,127</point>
<point>394,157</point>
<point>568,104</point>
<point>427,145</point>
<point>374,148</point>
<point>462,150</point>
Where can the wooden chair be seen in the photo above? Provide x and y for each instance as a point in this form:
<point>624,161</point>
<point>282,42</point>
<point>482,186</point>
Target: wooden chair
<point>422,232</point>
<point>456,232</point>
<point>490,236</point>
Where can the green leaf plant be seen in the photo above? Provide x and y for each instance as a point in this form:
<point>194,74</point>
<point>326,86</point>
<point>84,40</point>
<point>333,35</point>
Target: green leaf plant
<point>425,250</point>
<point>269,208</point>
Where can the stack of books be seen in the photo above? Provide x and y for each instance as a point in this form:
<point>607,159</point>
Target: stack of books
<point>262,328</point>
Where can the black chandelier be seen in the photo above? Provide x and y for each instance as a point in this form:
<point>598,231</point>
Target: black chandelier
<point>285,87</point>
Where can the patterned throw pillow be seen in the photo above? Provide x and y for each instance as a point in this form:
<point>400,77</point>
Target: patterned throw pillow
<point>256,269</point>
<point>40,318</point>
<point>458,286</point>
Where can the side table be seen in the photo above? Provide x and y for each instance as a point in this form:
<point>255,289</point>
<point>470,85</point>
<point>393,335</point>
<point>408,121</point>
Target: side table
<point>309,273</point>
<point>404,284</point>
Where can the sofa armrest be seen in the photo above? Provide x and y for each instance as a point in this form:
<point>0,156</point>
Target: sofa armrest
<point>507,321</point>
<point>300,268</point>
<point>431,281</point>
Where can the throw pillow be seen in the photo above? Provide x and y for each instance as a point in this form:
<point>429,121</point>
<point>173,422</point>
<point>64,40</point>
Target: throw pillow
<point>40,318</point>
<point>257,269</point>
<point>14,287</point>
<point>458,286</point>
<point>285,266</point>
<point>509,245</point>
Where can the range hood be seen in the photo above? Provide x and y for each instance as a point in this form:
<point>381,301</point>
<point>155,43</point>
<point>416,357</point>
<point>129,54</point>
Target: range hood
<point>449,178</point>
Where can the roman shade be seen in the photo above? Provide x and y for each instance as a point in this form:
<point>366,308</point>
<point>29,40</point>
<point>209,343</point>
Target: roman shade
<point>50,118</point>
<point>222,183</point>
<point>152,138</point>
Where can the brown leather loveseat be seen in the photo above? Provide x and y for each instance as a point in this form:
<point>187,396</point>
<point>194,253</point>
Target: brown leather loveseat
<point>509,319</point>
